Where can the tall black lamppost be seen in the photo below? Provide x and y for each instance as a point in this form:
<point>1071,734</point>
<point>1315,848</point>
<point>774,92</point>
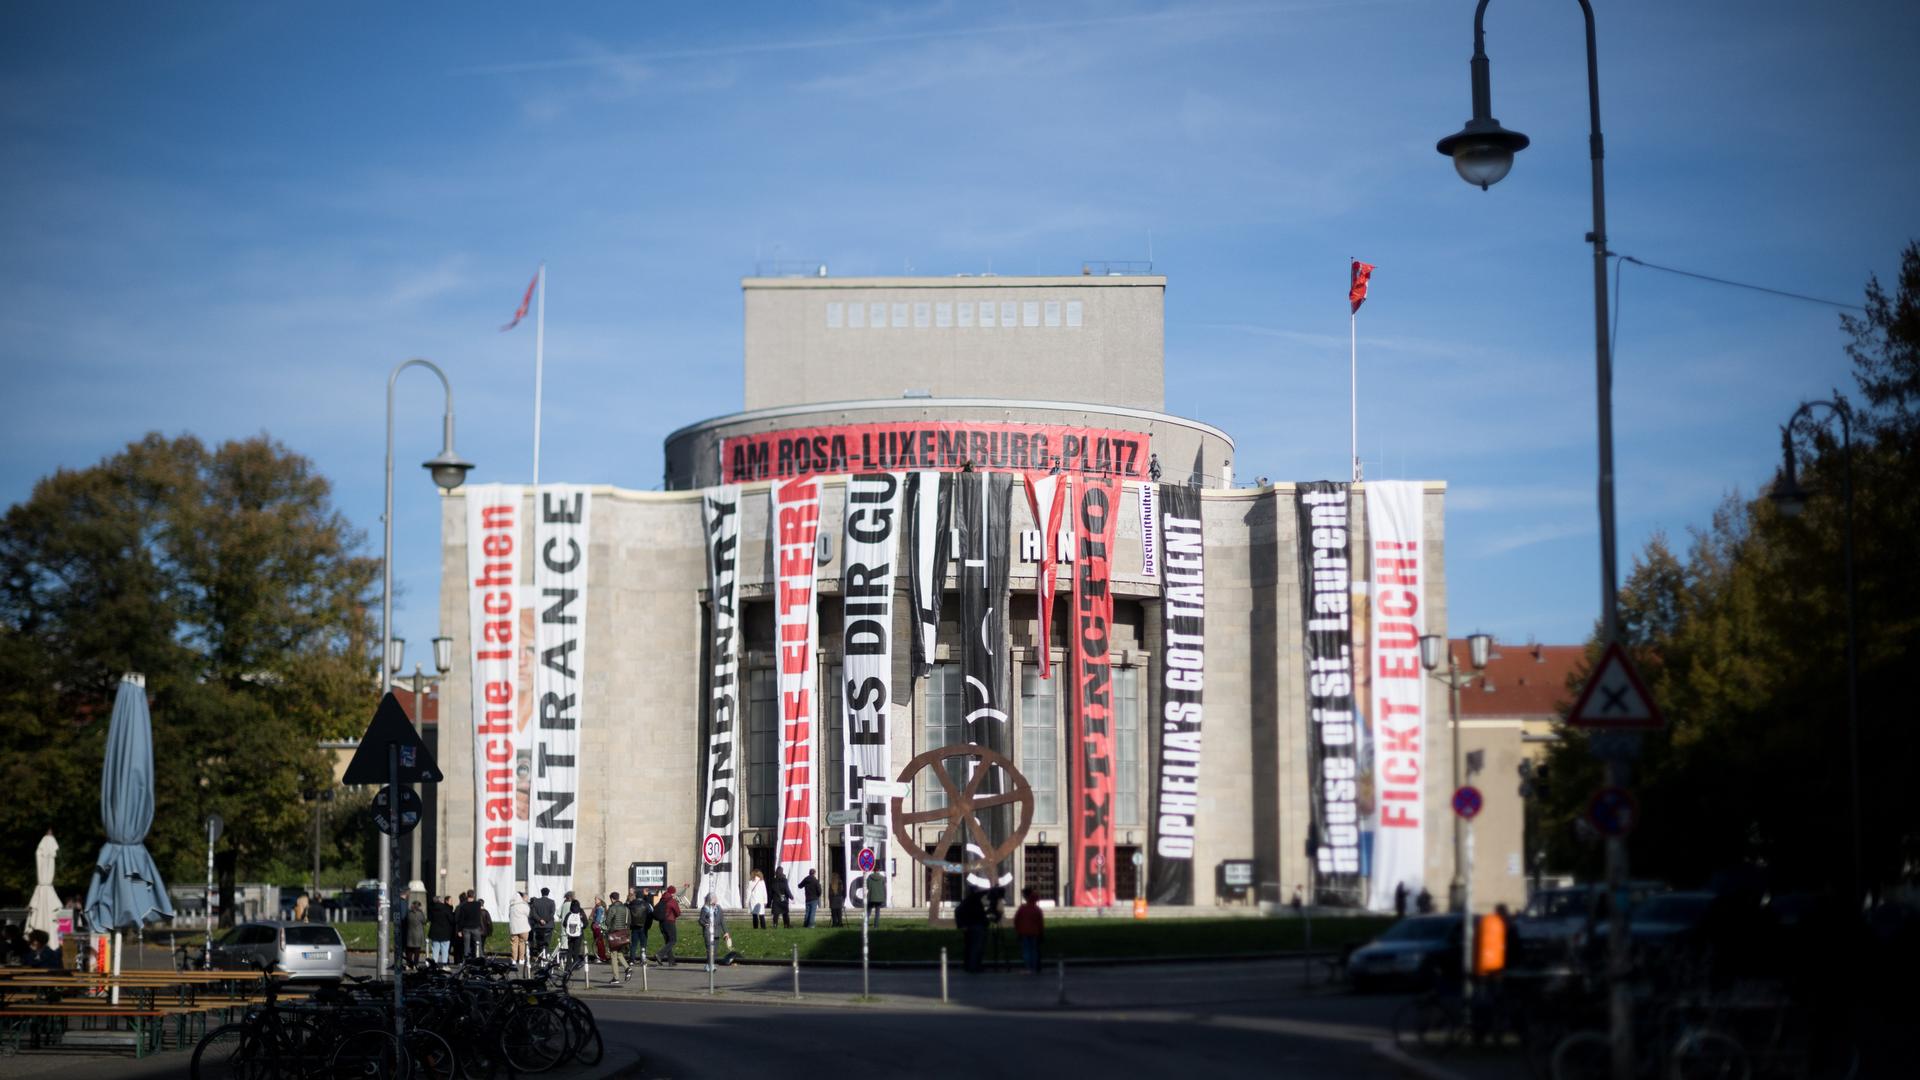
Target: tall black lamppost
<point>1482,153</point>
<point>1791,498</point>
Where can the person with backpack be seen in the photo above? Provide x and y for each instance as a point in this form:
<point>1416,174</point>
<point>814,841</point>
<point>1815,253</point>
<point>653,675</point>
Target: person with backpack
<point>668,912</point>
<point>779,895</point>
<point>640,915</point>
<point>574,928</point>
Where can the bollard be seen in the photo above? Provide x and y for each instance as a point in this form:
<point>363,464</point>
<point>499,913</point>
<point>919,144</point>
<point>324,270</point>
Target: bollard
<point>1060,966</point>
<point>943,974</point>
<point>796,971</point>
<point>709,965</point>
<point>643,969</point>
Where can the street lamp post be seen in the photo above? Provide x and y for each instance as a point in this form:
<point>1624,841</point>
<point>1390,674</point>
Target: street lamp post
<point>1791,498</point>
<point>1482,153</point>
<point>448,470</point>
<point>1433,648</point>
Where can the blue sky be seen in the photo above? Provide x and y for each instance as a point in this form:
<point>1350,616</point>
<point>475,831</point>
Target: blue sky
<point>230,219</point>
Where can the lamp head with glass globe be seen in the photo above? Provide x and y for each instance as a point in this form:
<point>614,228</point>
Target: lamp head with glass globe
<point>1482,151</point>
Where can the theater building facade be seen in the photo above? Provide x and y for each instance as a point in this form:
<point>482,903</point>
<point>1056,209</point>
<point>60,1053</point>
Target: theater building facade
<point>953,516</point>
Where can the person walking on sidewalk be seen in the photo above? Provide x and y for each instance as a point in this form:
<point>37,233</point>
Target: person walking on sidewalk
<point>640,916</point>
<point>713,922</point>
<point>619,939</point>
<point>779,895</point>
<point>810,891</point>
<point>600,929</point>
<point>757,900</point>
<point>668,912</point>
<point>1030,924</point>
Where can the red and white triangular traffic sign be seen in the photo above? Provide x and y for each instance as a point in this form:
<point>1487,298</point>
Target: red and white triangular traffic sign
<point>1614,697</point>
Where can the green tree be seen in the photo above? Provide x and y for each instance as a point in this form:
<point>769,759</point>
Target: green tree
<point>227,578</point>
<point>1742,642</point>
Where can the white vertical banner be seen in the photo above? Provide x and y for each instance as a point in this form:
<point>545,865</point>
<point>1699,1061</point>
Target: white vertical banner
<point>794,531</point>
<point>1149,530</point>
<point>1394,528</point>
<point>493,629</point>
<point>720,815</point>
<point>873,523</point>
<point>562,522</point>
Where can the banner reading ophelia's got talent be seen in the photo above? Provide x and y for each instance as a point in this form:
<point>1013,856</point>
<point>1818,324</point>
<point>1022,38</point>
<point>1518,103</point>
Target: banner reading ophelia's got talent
<point>873,522</point>
<point>563,519</point>
<point>1183,609</point>
<point>794,530</point>
<point>1096,507</point>
<point>493,625</point>
<point>1334,773</point>
<point>1394,523</point>
<point>720,814</point>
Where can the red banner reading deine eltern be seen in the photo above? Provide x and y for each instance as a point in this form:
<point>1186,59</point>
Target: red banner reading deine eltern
<point>1096,509</point>
<point>950,446</point>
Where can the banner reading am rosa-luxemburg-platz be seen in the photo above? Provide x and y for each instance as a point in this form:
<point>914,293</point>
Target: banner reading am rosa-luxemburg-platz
<point>939,445</point>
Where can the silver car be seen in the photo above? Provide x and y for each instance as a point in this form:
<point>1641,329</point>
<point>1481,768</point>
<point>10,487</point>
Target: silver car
<point>300,950</point>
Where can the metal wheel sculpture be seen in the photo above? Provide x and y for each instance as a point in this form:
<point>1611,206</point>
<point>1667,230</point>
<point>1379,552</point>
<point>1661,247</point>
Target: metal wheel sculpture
<point>962,814</point>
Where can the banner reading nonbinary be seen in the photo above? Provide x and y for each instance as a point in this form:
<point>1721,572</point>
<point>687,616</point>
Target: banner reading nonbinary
<point>562,523</point>
<point>720,812</point>
<point>493,627</point>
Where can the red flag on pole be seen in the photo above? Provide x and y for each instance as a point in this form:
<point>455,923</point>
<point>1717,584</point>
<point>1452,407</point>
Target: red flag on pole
<point>1357,289</point>
<point>527,301</point>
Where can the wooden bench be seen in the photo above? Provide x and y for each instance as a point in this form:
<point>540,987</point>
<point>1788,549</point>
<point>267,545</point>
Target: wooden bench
<point>41,1026</point>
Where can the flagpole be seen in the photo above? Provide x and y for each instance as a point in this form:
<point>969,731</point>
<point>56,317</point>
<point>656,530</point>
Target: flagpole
<point>1353,392</point>
<point>539,374</point>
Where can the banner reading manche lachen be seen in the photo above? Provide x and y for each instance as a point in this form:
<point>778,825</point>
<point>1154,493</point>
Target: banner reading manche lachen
<point>885,447</point>
<point>1183,609</point>
<point>794,531</point>
<point>873,522</point>
<point>1399,689</point>
<point>493,626</point>
<point>1334,763</point>
<point>1096,508</point>
<point>563,519</point>
<point>720,814</point>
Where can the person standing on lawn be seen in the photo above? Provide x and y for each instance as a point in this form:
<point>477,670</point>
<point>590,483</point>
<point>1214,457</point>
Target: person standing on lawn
<point>757,900</point>
<point>540,914</point>
<point>440,930</point>
<point>471,920</point>
<point>779,895</point>
<point>668,912</point>
<point>836,898</point>
<point>519,925</point>
<point>619,938</point>
<point>810,891</point>
<point>876,896</point>
<point>713,921</point>
<point>1029,923</point>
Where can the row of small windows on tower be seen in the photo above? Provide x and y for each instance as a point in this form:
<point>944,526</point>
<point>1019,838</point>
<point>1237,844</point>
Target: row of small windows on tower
<point>963,315</point>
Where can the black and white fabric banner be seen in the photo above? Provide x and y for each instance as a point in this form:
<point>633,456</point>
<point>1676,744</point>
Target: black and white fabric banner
<point>1322,509</point>
<point>563,520</point>
<point>1182,678</point>
<point>873,525</point>
<point>981,526</point>
<point>929,517</point>
<point>720,810</point>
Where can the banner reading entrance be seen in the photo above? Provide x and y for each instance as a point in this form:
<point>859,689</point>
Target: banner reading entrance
<point>945,446</point>
<point>493,624</point>
<point>721,810</point>
<point>873,523</point>
<point>1334,760</point>
<point>1394,525</point>
<point>794,530</point>
<point>563,518</point>
<point>1096,508</point>
<point>1183,608</point>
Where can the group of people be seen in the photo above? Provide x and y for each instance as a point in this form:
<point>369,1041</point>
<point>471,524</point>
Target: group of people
<point>978,912</point>
<point>32,949</point>
<point>770,897</point>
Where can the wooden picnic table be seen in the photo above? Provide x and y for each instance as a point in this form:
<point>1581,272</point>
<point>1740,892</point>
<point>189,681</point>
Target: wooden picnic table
<point>39,1007</point>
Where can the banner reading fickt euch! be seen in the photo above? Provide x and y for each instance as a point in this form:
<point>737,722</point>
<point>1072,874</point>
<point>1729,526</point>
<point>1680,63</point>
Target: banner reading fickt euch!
<point>562,522</point>
<point>493,622</point>
<point>1334,763</point>
<point>720,814</point>
<point>794,530</point>
<point>874,522</point>
<point>1183,621</point>
<point>980,527</point>
<point>1095,513</point>
<point>1394,523</point>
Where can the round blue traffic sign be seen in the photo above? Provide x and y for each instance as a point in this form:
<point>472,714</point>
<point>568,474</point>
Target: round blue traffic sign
<point>1613,811</point>
<point>1467,801</point>
<point>865,860</point>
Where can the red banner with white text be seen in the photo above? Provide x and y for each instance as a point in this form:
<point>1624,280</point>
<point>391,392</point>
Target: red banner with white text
<point>886,447</point>
<point>1096,509</point>
<point>794,529</point>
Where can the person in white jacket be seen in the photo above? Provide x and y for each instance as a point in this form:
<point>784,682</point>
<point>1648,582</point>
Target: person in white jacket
<point>757,900</point>
<point>519,924</point>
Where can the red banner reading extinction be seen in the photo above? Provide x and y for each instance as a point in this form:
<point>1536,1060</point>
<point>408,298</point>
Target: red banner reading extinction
<point>1096,508</point>
<point>871,448</point>
<point>796,531</point>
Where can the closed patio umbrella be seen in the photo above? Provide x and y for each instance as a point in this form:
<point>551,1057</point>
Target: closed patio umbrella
<point>126,889</point>
<point>45,906</point>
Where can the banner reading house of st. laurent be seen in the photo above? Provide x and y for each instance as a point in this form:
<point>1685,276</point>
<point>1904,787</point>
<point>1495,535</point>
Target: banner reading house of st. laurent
<point>562,522</point>
<point>721,810</point>
<point>1182,667</point>
<point>794,532</point>
<point>873,524</point>
<point>1399,688</point>
<point>493,626</point>
<point>1046,497</point>
<point>1333,755</point>
<point>928,519</point>
<point>983,506</point>
<point>1096,510</point>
